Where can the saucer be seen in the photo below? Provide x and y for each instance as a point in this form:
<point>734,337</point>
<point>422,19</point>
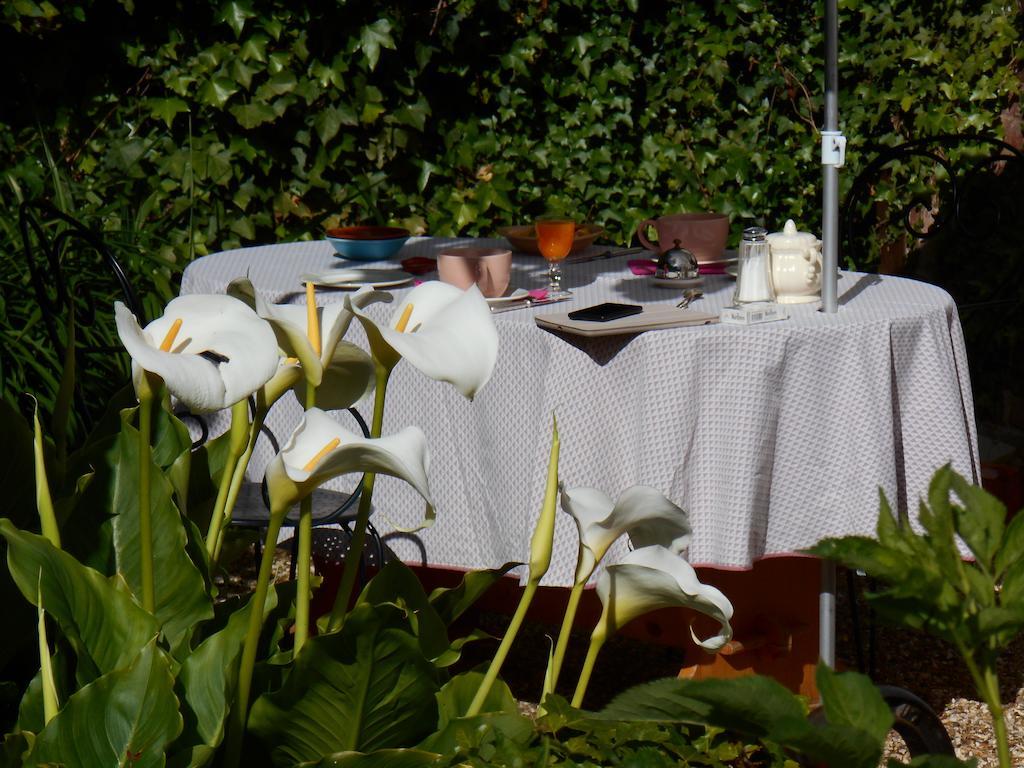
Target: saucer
<point>517,295</point>
<point>677,282</point>
<point>357,278</point>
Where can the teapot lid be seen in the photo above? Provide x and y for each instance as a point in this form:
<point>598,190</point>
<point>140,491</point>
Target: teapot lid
<point>789,237</point>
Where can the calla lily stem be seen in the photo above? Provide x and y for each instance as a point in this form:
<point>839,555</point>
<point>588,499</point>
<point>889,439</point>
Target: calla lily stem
<point>238,476</point>
<point>305,534</point>
<point>358,541</point>
<point>596,643</point>
<point>240,430</point>
<point>240,712</point>
<point>146,397</point>
<point>563,636</point>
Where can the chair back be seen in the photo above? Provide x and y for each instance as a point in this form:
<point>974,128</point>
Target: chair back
<point>76,278</point>
<point>947,210</point>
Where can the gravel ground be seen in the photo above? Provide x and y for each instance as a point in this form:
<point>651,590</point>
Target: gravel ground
<point>926,666</point>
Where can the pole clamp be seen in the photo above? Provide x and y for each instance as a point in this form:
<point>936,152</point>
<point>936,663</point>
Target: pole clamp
<point>833,148</point>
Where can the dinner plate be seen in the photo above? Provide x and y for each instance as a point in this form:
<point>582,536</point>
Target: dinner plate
<point>517,295</point>
<point>357,278</point>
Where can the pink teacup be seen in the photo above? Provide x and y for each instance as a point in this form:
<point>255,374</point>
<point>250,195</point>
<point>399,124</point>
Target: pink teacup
<point>703,234</point>
<point>489,268</point>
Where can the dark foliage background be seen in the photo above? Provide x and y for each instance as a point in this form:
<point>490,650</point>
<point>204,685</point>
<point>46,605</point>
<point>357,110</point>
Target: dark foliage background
<point>183,128</point>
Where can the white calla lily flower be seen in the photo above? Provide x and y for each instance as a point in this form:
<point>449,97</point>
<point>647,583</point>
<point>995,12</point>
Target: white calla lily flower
<point>341,371</point>
<point>446,333</point>
<point>640,511</point>
<point>320,449</point>
<point>210,351</point>
<point>654,577</point>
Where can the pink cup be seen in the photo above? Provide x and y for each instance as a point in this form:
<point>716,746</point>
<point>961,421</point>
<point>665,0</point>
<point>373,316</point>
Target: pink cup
<point>489,268</point>
<point>704,234</point>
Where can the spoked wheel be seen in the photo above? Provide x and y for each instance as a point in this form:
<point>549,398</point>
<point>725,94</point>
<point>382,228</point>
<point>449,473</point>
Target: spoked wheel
<point>916,723</point>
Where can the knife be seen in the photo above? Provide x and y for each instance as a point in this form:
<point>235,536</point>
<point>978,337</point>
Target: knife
<point>611,253</point>
<point>528,304</point>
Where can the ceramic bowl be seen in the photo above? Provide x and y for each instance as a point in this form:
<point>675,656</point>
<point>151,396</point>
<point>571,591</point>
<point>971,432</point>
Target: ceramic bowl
<point>523,238</point>
<point>366,243</point>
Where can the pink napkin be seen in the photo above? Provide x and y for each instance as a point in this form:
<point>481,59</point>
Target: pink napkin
<point>711,269</point>
<point>642,266</point>
<point>538,294</point>
<point>419,265</point>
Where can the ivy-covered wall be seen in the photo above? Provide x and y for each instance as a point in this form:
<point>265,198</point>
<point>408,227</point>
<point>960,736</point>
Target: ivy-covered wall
<point>196,126</point>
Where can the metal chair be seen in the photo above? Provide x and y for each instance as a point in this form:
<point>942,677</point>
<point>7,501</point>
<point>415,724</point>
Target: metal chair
<point>73,273</point>
<point>947,210</point>
<point>252,510</point>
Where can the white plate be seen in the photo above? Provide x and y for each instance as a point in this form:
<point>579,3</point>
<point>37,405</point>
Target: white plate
<point>732,270</point>
<point>517,295</point>
<point>357,278</point>
<point>677,282</point>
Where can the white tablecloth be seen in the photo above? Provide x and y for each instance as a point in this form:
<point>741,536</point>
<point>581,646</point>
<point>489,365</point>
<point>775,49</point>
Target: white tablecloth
<point>771,436</point>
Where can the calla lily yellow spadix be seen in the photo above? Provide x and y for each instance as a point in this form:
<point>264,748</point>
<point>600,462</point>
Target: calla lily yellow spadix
<point>302,465</point>
<point>644,513</point>
<point>644,580</point>
<point>448,335</point>
<point>341,372</point>
<point>220,353</point>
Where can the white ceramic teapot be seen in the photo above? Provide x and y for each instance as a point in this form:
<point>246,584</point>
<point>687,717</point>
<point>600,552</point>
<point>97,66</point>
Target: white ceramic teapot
<point>796,265</point>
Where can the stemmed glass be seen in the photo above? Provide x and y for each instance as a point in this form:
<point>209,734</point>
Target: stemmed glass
<point>554,241</point>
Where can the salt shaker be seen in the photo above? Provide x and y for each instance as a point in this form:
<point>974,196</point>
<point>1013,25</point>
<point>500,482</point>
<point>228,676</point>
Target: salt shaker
<point>754,268</point>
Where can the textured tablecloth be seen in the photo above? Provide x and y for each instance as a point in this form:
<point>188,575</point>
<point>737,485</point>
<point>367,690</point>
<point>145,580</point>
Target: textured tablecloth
<point>771,436</point>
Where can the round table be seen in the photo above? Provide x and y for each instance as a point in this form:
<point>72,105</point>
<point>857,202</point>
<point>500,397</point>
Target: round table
<point>771,436</point>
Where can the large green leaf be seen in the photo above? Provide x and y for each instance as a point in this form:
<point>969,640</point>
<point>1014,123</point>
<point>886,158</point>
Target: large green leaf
<point>363,688</point>
<point>181,597</point>
<point>397,585</point>
<point>852,700</point>
<point>457,694</point>
<point>126,717</point>
<point>206,685</point>
<point>384,758</point>
<point>450,603</point>
<point>104,625</point>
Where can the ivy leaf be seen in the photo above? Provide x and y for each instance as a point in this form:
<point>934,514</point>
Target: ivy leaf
<point>234,15</point>
<point>252,115</point>
<point>373,38</point>
<point>217,90</point>
<point>166,109</point>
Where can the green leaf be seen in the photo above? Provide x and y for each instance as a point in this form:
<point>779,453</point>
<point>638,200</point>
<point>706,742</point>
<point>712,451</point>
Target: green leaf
<point>166,109</point>
<point>851,700</point>
<point>454,698</point>
<point>216,91</point>
<point>126,717</point>
<point>982,521</point>
<point>104,625</point>
<point>207,686</point>
<point>234,14</point>
<point>180,589</point>
<point>384,758</point>
<point>252,115</point>
<point>373,38</point>
<point>397,585</point>
<point>365,687</point>
<point>451,603</point>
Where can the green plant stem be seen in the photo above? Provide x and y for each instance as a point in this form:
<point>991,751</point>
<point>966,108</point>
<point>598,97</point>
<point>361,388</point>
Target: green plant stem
<point>986,681</point>
<point>240,712</point>
<point>503,648</point>
<point>563,636</point>
<point>596,642</point>
<point>238,476</point>
<point>44,500</point>
<point>146,397</point>
<point>305,534</point>
<point>358,541</point>
<point>51,704</point>
<point>239,426</point>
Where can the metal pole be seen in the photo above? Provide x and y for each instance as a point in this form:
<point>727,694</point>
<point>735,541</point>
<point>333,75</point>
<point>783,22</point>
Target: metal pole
<point>827,614</point>
<point>830,171</point>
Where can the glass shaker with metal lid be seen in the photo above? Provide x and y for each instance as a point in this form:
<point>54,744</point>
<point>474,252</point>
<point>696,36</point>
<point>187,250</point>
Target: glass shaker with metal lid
<point>754,268</point>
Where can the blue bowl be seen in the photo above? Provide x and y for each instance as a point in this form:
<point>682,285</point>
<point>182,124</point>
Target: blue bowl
<point>364,243</point>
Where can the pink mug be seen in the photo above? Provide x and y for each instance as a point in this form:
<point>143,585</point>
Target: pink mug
<point>489,268</point>
<point>703,234</point>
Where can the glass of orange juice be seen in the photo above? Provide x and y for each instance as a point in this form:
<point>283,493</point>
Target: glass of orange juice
<point>554,241</point>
